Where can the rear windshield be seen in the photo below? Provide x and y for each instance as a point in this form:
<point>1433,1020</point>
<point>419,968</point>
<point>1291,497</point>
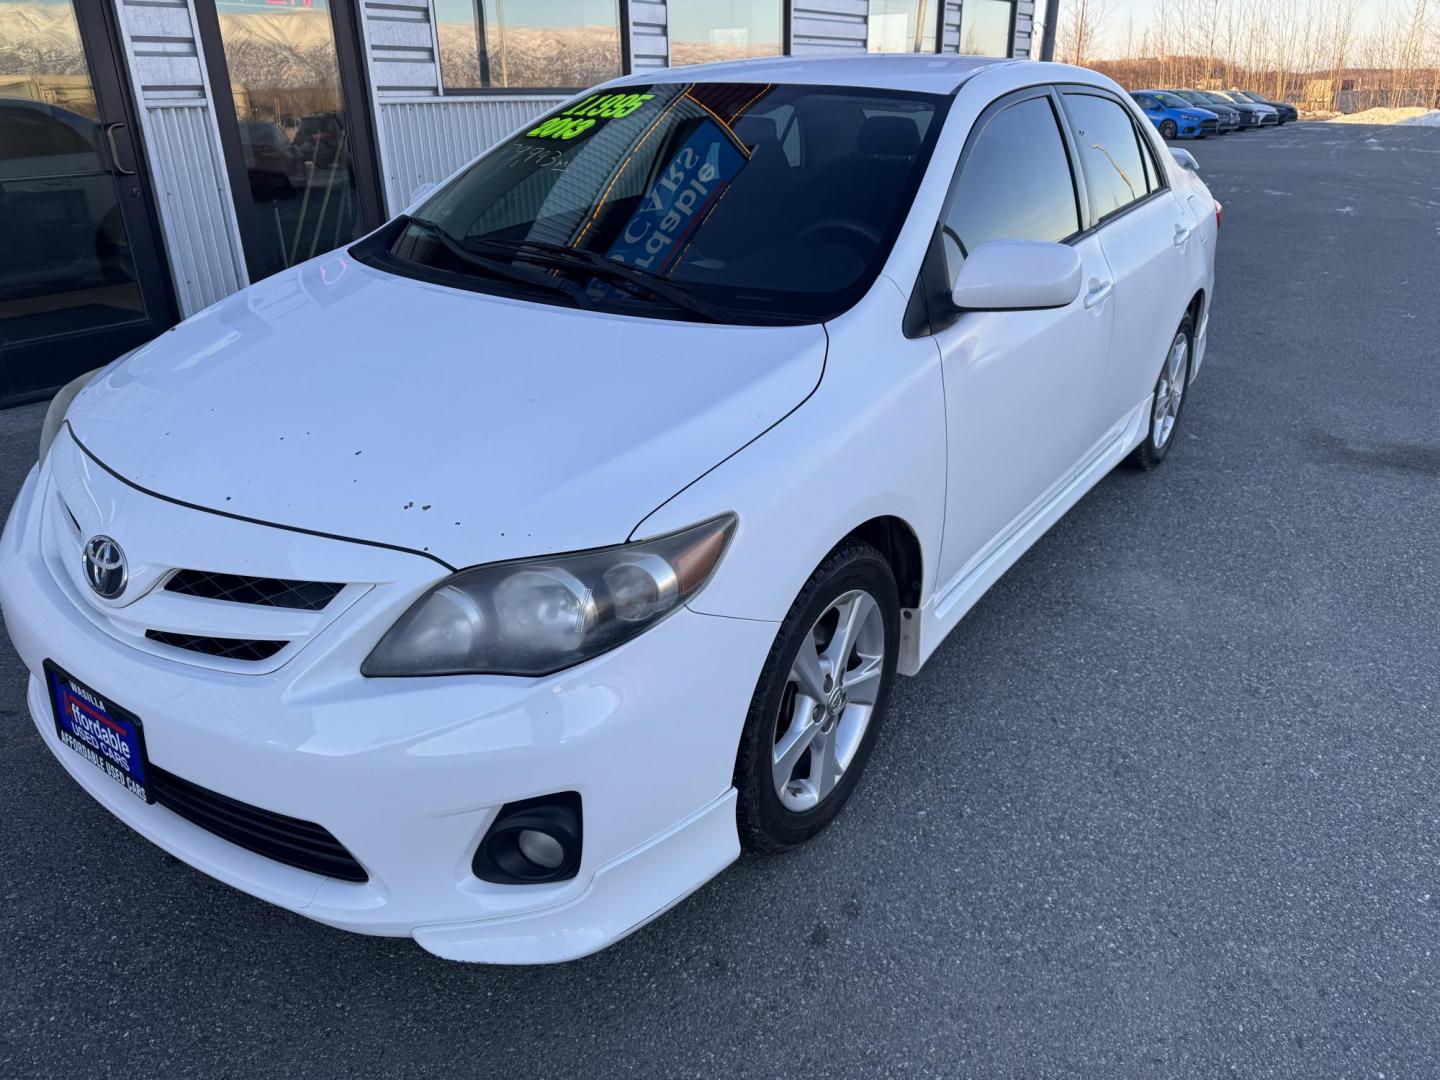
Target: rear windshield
<point>725,202</point>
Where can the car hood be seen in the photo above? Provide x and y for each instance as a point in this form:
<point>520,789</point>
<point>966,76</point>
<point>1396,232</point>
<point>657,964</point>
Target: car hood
<point>340,399</point>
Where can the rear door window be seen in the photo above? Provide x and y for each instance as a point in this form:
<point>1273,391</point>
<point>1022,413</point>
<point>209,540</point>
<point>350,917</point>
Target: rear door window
<point>1110,152</point>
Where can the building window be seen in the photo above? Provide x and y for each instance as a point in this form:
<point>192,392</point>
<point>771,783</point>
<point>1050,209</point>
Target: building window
<point>986,27</point>
<point>897,26</point>
<point>702,31</point>
<point>527,44</point>
<point>284,76</point>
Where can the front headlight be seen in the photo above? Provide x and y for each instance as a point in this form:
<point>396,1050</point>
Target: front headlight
<point>59,405</point>
<point>537,616</point>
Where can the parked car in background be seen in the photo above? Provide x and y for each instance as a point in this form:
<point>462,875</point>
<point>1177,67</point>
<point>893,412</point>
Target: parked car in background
<point>1229,115</point>
<point>1287,111</point>
<point>1174,117</point>
<point>442,586</point>
<point>1251,115</point>
<point>274,165</point>
<point>54,233</point>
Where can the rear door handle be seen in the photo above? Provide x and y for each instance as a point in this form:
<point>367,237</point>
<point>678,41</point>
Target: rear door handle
<point>120,170</point>
<point>1099,290</point>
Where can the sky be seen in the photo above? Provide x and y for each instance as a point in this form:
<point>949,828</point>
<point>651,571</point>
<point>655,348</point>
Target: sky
<point>1142,11</point>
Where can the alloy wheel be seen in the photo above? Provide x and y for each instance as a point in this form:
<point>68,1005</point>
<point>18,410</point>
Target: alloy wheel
<point>829,698</point>
<point>1169,391</point>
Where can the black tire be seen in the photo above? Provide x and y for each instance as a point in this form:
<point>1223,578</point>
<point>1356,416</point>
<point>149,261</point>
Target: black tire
<point>1168,130</point>
<point>764,822</point>
<point>1150,453</point>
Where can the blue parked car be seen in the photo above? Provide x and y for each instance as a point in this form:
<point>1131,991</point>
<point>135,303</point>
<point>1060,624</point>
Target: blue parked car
<point>1175,117</point>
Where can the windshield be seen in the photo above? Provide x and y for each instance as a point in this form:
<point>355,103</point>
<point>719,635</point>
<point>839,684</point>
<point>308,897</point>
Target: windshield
<point>726,202</point>
<point>1171,101</point>
<point>1216,95</point>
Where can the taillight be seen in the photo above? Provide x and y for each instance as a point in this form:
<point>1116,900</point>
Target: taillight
<point>1219,213</point>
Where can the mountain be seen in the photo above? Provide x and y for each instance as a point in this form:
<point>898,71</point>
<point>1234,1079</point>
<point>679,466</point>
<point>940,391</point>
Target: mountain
<point>284,48</point>
<point>38,39</point>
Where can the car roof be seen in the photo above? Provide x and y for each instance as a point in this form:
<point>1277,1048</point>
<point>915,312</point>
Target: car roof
<point>926,72</point>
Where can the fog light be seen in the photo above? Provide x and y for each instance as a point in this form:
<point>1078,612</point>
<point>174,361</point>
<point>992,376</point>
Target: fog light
<point>541,848</point>
<point>532,842</point>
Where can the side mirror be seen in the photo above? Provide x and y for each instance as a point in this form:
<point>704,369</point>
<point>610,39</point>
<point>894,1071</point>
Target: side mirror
<point>1018,275</point>
<point>420,192</point>
<point>1185,159</point>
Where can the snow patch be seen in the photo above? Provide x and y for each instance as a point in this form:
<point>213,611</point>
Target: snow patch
<point>1381,116</point>
<point>1429,119</point>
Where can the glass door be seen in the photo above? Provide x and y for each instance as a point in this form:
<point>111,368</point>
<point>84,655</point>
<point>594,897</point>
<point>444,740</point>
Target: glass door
<point>293,117</point>
<point>82,278</point>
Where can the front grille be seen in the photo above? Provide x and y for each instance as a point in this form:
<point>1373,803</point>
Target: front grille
<point>265,592</point>
<point>301,844</point>
<point>252,650</point>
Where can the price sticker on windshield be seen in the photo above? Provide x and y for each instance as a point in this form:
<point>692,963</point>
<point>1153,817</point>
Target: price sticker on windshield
<point>586,113</point>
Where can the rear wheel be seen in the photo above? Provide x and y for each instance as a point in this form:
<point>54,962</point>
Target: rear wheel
<point>1168,130</point>
<point>819,701</point>
<point>1169,396</point>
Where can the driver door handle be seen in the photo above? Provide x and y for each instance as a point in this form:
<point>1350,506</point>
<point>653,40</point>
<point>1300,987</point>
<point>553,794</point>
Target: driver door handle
<point>119,169</point>
<point>1099,290</point>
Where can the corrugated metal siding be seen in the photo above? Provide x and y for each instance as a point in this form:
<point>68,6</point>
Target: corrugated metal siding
<point>1024,30</point>
<point>818,26</point>
<point>182,145</point>
<point>205,257</point>
<point>424,140</point>
<point>649,35</point>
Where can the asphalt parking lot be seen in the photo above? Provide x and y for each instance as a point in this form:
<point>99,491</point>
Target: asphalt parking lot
<point>1165,805</point>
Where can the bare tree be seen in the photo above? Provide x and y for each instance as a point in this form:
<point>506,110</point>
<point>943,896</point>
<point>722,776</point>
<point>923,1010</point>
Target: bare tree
<point>1082,23</point>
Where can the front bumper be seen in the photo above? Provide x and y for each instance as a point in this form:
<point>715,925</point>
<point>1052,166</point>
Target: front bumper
<point>409,773</point>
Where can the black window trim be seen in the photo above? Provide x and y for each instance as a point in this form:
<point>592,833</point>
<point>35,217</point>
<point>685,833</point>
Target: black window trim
<point>1143,142</point>
<point>921,318</point>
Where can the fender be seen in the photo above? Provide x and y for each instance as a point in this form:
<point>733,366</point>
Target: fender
<point>869,442</point>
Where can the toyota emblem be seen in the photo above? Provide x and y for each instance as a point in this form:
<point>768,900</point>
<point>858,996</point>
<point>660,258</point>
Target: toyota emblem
<point>105,568</point>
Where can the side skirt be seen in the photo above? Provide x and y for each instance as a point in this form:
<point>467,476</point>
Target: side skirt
<point>951,602</point>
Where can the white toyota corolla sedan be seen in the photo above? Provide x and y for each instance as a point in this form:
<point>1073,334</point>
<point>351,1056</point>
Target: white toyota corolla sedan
<point>495,580</point>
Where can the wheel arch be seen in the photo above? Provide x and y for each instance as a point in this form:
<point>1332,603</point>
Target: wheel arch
<point>1196,310</point>
<point>898,542</point>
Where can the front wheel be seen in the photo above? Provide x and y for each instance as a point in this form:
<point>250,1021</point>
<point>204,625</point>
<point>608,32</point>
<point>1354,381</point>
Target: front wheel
<point>1169,395</point>
<point>1168,130</point>
<point>819,700</point>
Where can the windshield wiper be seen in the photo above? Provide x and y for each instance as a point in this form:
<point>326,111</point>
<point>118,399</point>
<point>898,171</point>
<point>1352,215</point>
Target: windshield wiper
<point>561,257</point>
<point>497,267</point>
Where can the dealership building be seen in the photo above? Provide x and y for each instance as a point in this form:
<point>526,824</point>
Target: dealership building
<point>157,155</point>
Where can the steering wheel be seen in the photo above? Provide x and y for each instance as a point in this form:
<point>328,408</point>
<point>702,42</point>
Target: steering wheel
<point>859,235</point>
